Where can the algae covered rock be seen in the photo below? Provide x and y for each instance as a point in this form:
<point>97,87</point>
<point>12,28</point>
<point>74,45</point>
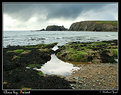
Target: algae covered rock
<point>20,78</point>
<point>94,52</point>
<point>22,56</point>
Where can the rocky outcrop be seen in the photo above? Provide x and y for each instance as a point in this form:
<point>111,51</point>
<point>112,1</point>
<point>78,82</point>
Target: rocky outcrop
<point>22,56</point>
<point>89,52</point>
<point>22,78</point>
<point>55,28</point>
<point>94,26</point>
<point>16,75</point>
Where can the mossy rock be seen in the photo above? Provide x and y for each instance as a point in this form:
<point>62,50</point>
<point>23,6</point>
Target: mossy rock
<point>89,52</point>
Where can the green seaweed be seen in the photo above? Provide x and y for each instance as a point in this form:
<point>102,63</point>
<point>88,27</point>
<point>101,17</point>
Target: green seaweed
<point>34,65</point>
<point>114,51</point>
<point>88,51</point>
<point>40,73</point>
<point>18,51</point>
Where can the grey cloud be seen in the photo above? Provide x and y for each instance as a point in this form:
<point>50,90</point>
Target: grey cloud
<point>24,11</point>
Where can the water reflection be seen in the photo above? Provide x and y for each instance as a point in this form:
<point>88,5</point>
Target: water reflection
<point>57,67</point>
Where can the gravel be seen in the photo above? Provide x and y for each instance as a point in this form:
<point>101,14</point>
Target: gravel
<point>95,77</point>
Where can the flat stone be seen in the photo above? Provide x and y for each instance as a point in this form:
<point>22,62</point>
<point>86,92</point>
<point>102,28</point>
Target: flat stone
<point>72,85</point>
<point>76,78</point>
<point>80,82</point>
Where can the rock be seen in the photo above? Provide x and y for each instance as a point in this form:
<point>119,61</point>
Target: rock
<point>80,82</point>
<point>27,78</point>
<point>22,56</point>
<point>98,72</point>
<point>55,28</point>
<point>42,30</point>
<point>89,52</point>
<point>17,74</point>
<point>94,26</point>
<point>72,85</point>
<point>76,78</point>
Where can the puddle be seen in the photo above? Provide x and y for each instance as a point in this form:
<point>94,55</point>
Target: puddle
<point>57,67</point>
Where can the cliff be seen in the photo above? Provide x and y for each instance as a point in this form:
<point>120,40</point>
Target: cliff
<point>55,28</point>
<point>94,26</point>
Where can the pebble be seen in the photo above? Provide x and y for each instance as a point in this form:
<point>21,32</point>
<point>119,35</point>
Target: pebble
<point>76,78</point>
<point>98,72</point>
<point>111,66</point>
<point>93,85</point>
<point>27,67</point>
<point>72,85</point>
<point>97,80</point>
<point>80,82</point>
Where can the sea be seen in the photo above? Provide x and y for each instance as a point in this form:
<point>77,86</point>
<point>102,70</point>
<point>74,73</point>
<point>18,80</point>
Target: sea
<point>55,66</point>
<point>45,37</point>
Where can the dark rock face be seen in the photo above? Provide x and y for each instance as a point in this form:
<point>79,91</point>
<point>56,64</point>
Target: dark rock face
<point>94,26</point>
<point>55,28</point>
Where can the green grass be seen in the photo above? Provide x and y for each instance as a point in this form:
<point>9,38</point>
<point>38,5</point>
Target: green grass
<point>114,23</point>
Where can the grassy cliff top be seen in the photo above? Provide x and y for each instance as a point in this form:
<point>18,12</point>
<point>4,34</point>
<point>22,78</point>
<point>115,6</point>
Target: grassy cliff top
<point>101,22</point>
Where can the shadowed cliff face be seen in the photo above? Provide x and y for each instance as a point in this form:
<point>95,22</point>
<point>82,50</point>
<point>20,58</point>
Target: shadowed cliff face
<point>94,26</point>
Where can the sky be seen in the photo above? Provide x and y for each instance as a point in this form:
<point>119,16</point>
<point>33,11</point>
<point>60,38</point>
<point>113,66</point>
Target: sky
<point>39,15</point>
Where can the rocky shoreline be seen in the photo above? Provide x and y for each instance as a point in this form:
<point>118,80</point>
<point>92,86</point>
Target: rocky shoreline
<point>16,75</point>
<point>105,26</point>
<point>97,74</point>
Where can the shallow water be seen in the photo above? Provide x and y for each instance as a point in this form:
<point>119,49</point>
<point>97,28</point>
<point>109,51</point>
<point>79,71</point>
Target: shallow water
<point>57,67</point>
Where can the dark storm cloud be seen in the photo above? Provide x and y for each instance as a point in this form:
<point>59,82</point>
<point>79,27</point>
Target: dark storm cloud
<point>72,10</point>
<point>21,11</point>
<point>24,11</point>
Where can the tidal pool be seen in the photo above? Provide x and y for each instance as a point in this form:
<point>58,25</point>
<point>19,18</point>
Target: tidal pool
<point>57,67</point>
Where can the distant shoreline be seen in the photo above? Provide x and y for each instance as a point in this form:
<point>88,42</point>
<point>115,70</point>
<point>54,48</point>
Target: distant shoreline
<point>86,26</point>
